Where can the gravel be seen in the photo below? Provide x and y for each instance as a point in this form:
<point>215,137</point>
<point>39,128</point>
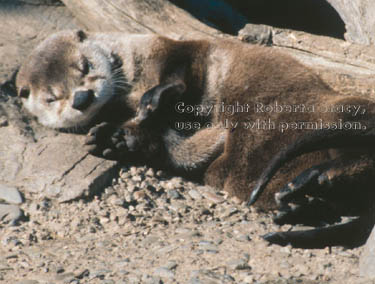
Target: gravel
<point>148,227</point>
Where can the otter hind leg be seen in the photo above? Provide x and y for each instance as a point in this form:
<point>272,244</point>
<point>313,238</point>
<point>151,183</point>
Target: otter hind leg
<point>321,195</point>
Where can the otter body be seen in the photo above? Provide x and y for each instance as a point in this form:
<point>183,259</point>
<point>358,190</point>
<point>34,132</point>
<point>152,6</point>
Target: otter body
<point>73,79</point>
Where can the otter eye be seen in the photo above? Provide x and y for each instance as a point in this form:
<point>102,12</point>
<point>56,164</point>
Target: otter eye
<point>50,99</point>
<point>50,96</point>
<point>87,66</point>
<point>24,93</point>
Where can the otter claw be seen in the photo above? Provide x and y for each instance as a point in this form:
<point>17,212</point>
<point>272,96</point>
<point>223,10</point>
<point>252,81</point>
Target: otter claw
<point>118,133</point>
<point>97,128</point>
<point>106,141</point>
<point>89,140</point>
<point>121,145</point>
<point>108,153</point>
<point>305,183</point>
<point>276,238</point>
<point>92,149</point>
<point>115,140</point>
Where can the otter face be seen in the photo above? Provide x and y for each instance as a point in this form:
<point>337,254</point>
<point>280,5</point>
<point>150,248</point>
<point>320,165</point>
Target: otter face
<point>66,80</point>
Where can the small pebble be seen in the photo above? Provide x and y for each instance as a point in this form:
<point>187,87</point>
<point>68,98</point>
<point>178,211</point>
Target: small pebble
<point>171,265</point>
<point>238,264</point>
<point>150,172</point>
<point>3,121</point>
<point>174,194</point>
<point>208,246</point>
<point>164,272</point>
<point>195,194</point>
<point>27,282</point>
<point>139,195</point>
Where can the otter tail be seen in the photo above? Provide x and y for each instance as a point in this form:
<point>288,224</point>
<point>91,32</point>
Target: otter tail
<point>314,141</point>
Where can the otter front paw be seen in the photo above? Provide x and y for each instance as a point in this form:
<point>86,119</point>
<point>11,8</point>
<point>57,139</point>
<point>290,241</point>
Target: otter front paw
<point>107,141</point>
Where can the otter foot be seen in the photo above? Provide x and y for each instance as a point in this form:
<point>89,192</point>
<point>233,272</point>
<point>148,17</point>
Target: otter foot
<point>350,235</point>
<point>310,199</point>
<point>320,196</point>
<point>107,141</point>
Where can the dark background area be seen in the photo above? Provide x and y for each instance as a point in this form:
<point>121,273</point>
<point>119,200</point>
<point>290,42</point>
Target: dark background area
<point>312,16</point>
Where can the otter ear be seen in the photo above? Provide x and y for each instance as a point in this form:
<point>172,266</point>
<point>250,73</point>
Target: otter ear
<point>158,98</point>
<point>81,35</point>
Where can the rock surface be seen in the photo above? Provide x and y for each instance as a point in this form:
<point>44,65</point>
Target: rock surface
<point>45,163</point>
<point>134,16</point>
<point>10,214</point>
<point>347,68</point>
<point>358,16</point>
<point>10,194</point>
<point>25,24</point>
<point>367,261</point>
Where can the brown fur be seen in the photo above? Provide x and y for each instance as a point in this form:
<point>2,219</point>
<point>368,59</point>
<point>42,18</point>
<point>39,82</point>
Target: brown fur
<point>233,171</point>
<point>213,72</point>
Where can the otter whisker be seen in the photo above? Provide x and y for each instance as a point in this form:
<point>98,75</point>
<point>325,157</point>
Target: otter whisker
<point>119,82</point>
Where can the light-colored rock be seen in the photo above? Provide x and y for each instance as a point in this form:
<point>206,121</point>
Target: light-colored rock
<point>10,213</point>
<point>26,26</point>
<point>28,282</point>
<point>10,194</point>
<point>256,34</point>
<point>347,67</point>
<point>195,194</point>
<point>134,16</point>
<point>210,194</point>
<point>238,264</point>
<point>54,165</point>
<point>3,121</point>
<point>208,246</point>
<point>59,167</point>
<point>358,16</point>
<point>164,272</point>
<point>367,260</point>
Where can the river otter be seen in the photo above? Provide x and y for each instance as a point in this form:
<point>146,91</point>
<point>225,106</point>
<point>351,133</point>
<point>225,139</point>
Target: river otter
<point>226,107</point>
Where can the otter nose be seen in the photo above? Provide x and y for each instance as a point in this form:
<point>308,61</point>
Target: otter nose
<point>83,99</point>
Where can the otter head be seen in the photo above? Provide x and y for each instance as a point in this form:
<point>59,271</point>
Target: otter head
<point>66,80</point>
